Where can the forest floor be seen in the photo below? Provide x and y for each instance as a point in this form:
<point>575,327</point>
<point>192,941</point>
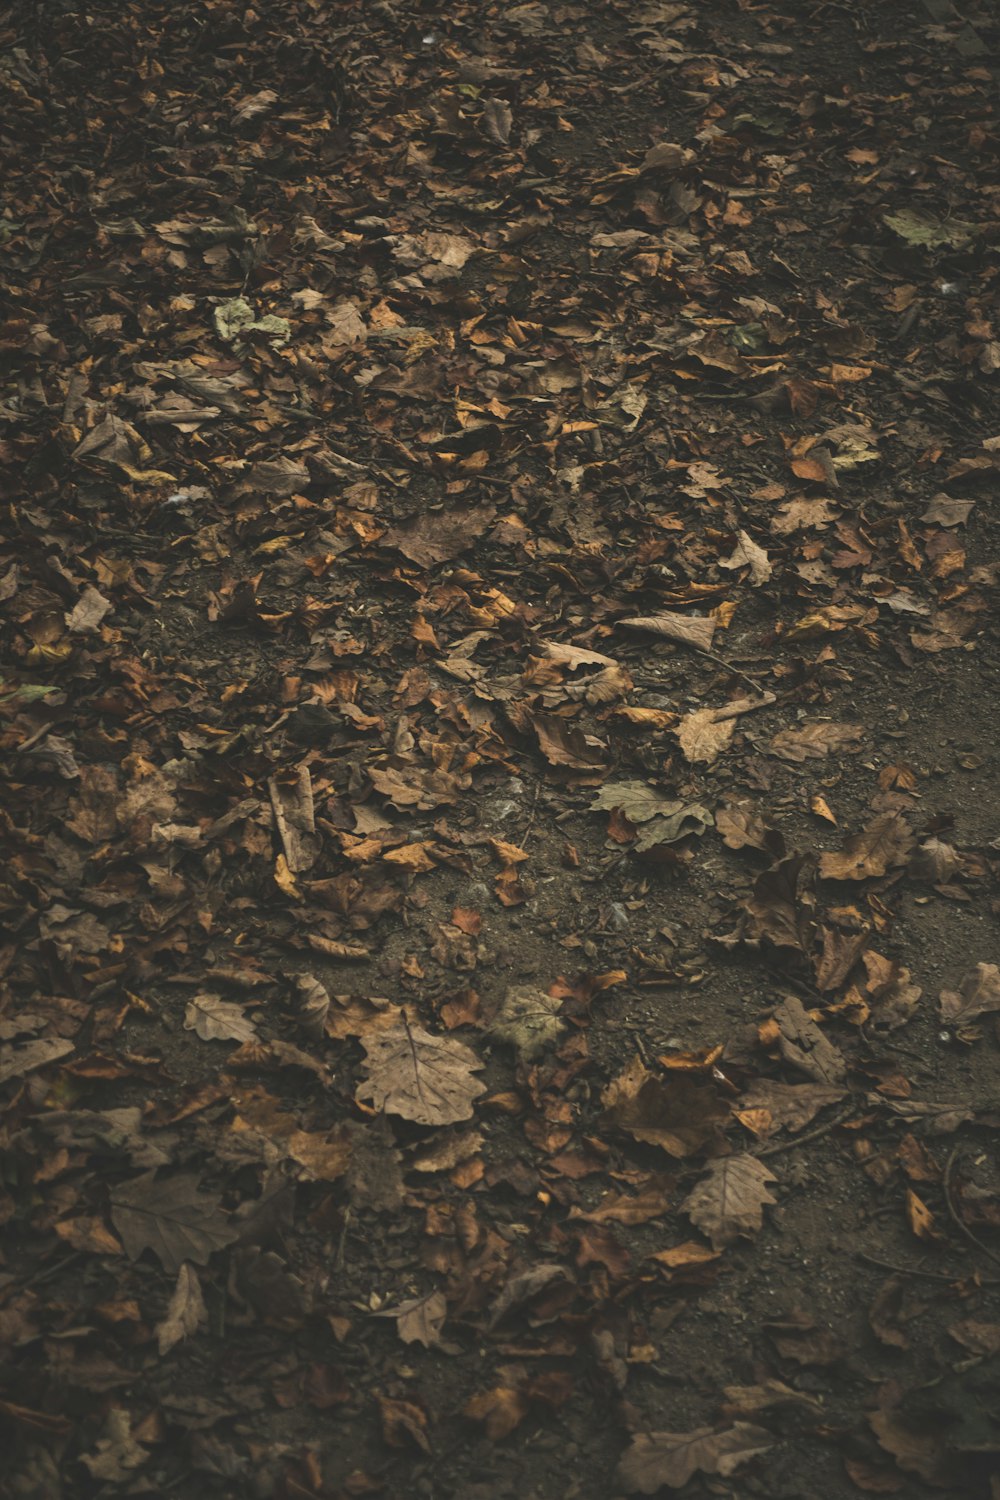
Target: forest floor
<point>498,704</point>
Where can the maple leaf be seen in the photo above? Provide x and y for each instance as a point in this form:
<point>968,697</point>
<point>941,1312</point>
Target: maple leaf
<point>421,1077</point>
<point>529,1020</point>
<point>728,1203</point>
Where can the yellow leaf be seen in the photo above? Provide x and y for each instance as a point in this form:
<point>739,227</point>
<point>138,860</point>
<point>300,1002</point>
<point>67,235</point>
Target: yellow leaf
<point>284,879</point>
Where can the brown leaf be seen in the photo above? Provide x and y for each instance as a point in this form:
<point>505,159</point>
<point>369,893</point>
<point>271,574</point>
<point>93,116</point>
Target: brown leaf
<point>689,630</point>
<point>88,612</point>
<point>171,1217</point>
<point>803,1044</point>
<point>782,905</point>
<point>421,1077</point>
<point>20,1058</point>
<point>977,995</point>
<point>816,738</point>
<point>500,1410</point>
<point>565,744</point>
<point>703,734</point>
<point>431,537</point>
<point>892,998</point>
<point>882,846</point>
<point>917,1450</point>
<point>186,1311</point>
<point>979,1338</point>
<point>749,555</point>
<point>215,1019</point>
<point>742,826</point>
<point>729,1200</point>
<point>420,1320</point>
<point>497,120</point>
<point>651,1202</point>
<point>658,1459</point>
<point>402,1422</point>
<point>681,1114</point>
<point>768,1106</point>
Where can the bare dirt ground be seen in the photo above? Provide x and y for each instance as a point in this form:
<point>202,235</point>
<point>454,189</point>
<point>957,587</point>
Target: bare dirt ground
<point>498,705</point>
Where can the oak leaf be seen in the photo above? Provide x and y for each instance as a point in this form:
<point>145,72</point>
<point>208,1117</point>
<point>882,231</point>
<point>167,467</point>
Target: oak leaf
<point>655,1460</point>
<point>729,1200</point>
<point>421,1077</point>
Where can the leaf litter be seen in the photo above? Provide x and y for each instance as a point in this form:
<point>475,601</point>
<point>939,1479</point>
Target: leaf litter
<point>498,602</point>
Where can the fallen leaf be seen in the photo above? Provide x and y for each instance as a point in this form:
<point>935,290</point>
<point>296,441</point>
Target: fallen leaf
<point>680,1114</point>
<point>882,846</point>
<point>728,1202</point>
<point>528,1020</point>
<point>186,1311</point>
<point>172,1217</point>
<point>20,1058</point>
<point>688,630</point>
<point>748,554</point>
<point>815,739</point>
<point>804,1045</point>
<point>702,734</point>
<point>657,1459</point>
<point>769,1106</point>
<point>215,1019</point>
<point>978,994</point>
<point>421,1077</point>
<point>431,537</point>
<point>88,612</point>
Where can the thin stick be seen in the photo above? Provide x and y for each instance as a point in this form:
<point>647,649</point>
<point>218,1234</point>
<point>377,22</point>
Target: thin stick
<point>888,1265</point>
<point>959,1223</point>
<point>811,1135</point>
<point>721,662</point>
<point>523,844</point>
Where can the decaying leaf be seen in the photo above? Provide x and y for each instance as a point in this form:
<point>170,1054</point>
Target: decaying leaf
<point>186,1311</point>
<point>815,739</point>
<point>681,1114</point>
<point>884,845</point>
<point>172,1217</point>
<point>528,1020</point>
<point>804,1045</point>
<point>978,994</point>
<point>215,1019</point>
<point>747,554</point>
<point>728,1202</point>
<point>688,630</point>
<point>421,1077</point>
<point>658,1460</point>
<point>769,1106</point>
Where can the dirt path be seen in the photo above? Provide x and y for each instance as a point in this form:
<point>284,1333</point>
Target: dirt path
<point>498,700</point>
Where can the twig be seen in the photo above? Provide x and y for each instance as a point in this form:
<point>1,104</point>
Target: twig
<point>888,1265</point>
<point>721,662</point>
<point>959,1223</point>
<point>811,1135</point>
<point>340,1259</point>
<point>523,842</point>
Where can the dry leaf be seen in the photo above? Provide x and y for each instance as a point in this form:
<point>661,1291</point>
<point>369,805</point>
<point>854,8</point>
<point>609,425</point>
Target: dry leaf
<point>421,1077</point>
<point>978,994</point>
<point>688,630</point>
<point>882,846</point>
<point>803,1044</point>
<point>171,1217</point>
<point>703,734</point>
<point>769,1106</point>
<point>729,1200</point>
<point>528,1020</point>
<point>656,1460</point>
<point>215,1019</point>
<point>815,739</point>
<point>186,1311</point>
<point>681,1114</point>
<point>748,554</point>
